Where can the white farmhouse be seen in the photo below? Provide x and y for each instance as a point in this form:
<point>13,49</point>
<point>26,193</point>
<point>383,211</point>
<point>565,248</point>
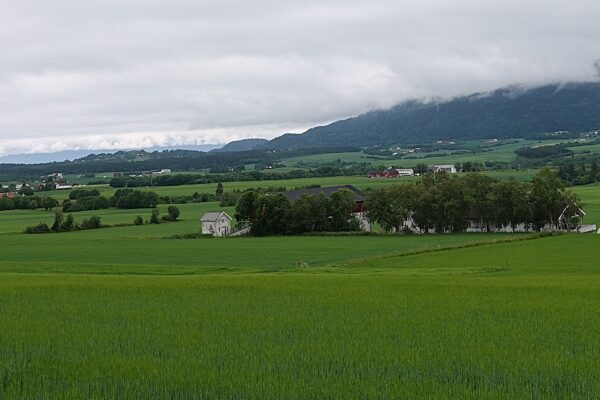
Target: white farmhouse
<point>216,223</point>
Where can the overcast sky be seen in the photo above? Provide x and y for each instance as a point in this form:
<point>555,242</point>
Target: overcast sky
<point>138,73</point>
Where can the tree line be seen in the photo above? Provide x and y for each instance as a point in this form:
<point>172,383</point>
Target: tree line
<point>65,224</point>
<point>443,203</point>
<point>438,203</point>
<point>27,203</point>
<point>193,179</point>
<point>579,174</point>
<point>179,160</point>
<point>273,214</point>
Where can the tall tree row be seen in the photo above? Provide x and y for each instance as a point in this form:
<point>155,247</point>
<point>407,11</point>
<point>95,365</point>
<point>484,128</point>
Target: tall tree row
<point>444,203</point>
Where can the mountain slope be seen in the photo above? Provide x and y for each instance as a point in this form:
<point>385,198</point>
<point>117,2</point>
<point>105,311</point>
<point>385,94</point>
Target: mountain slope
<point>241,145</point>
<point>505,113</point>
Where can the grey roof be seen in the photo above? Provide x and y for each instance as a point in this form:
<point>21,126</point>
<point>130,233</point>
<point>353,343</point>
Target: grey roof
<point>293,195</point>
<point>213,216</point>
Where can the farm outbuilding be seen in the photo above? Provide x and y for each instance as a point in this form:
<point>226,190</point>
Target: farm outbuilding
<point>216,223</point>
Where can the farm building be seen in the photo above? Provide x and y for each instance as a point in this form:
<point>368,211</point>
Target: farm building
<point>449,169</point>
<point>63,186</point>
<point>359,210</point>
<point>216,223</point>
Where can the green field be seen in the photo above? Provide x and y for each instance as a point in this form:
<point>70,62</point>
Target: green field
<point>590,195</point>
<point>17,220</point>
<point>502,320</point>
<point>357,156</point>
<point>500,152</point>
<point>361,182</point>
<point>125,312</point>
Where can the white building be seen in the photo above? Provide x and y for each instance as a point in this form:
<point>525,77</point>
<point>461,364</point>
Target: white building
<point>60,186</point>
<point>449,169</point>
<point>216,223</point>
<point>405,172</point>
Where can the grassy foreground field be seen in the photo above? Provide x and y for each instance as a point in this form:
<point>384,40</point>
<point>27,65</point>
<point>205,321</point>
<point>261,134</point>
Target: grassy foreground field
<point>502,320</point>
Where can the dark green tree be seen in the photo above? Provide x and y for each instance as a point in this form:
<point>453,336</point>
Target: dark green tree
<point>594,171</point>
<point>58,220</point>
<point>154,217</point>
<point>68,224</point>
<point>173,213</point>
<point>49,203</point>
<point>546,198</point>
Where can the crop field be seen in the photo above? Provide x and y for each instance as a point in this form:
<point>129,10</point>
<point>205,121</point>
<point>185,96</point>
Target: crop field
<point>367,317</point>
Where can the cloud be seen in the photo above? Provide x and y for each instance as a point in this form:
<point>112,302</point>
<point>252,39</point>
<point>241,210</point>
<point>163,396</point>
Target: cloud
<point>87,74</point>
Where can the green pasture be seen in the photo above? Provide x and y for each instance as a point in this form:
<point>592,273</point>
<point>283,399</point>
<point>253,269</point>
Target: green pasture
<point>594,148</point>
<point>361,182</point>
<point>18,220</point>
<point>357,156</point>
<point>495,321</point>
<point>500,153</point>
<point>503,152</point>
<point>590,196</point>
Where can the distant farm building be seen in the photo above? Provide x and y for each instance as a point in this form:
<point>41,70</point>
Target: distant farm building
<point>60,186</point>
<point>448,169</point>
<point>359,212</point>
<point>8,195</point>
<point>216,223</point>
<point>392,173</point>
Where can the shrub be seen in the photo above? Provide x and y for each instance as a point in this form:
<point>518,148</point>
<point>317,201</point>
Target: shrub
<point>92,223</point>
<point>39,228</point>
<point>68,224</point>
<point>173,212</point>
<point>229,199</point>
<point>154,217</point>
<point>138,220</point>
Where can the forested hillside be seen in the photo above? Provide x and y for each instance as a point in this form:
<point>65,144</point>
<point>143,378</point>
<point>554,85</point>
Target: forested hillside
<point>505,113</point>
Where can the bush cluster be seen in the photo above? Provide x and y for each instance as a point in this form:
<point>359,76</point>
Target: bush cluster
<point>65,224</point>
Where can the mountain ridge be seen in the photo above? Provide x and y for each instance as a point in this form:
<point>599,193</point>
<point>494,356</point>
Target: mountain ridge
<point>510,112</point>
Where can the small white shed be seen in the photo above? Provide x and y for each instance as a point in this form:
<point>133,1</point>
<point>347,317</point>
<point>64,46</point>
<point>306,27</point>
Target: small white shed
<point>216,223</point>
